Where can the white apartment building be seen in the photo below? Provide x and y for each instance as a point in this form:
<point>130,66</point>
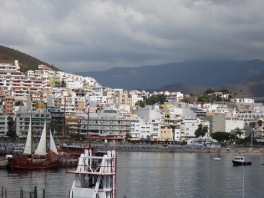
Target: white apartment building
<point>248,117</point>
<point>174,96</point>
<point>3,125</point>
<point>215,107</point>
<point>189,126</point>
<point>109,122</point>
<point>243,100</point>
<point>98,99</point>
<point>18,84</point>
<point>183,112</point>
<point>40,73</point>
<point>232,125</point>
<point>145,130</point>
<point>73,84</point>
<point>135,98</point>
<point>23,118</point>
<point>149,115</point>
<point>88,81</point>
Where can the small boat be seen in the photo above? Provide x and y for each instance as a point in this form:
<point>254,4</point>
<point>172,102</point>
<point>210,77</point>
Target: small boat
<point>239,160</point>
<point>95,175</point>
<point>217,157</point>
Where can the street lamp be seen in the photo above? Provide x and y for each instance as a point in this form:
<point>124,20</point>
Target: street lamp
<point>252,134</point>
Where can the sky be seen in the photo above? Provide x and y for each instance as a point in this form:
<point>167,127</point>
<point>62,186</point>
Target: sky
<point>95,35</point>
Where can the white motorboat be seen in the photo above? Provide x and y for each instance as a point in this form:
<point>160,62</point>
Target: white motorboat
<point>239,160</point>
<point>217,157</point>
<point>95,175</point>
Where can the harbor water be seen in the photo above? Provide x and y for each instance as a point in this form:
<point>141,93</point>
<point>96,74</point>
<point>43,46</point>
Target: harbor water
<point>155,175</point>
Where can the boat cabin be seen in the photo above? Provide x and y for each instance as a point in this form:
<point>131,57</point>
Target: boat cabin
<point>239,158</point>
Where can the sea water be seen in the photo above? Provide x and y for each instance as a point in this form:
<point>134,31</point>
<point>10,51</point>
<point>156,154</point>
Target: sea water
<point>155,175</point>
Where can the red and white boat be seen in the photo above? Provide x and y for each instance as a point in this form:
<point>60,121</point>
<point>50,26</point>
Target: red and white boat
<point>95,175</point>
<point>42,159</point>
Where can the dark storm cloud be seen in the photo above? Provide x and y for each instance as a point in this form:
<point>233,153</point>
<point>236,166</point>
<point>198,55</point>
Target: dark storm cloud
<point>96,35</point>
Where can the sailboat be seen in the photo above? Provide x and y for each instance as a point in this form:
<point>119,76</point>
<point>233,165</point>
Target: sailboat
<point>40,159</point>
<point>52,147</point>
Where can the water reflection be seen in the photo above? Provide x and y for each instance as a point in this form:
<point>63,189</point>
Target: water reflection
<point>156,175</point>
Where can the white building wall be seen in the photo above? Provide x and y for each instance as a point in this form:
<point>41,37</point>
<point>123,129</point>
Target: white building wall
<point>74,84</point>
<point>149,115</point>
<point>189,126</point>
<point>243,100</point>
<point>145,129</point>
<point>135,98</point>
<point>233,124</point>
<point>98,99</point>
<point>3,125</point>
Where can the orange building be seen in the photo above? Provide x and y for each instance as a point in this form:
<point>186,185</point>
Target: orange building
<point>9,105</point>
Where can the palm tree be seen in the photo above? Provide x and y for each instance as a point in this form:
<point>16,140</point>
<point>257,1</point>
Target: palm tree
<point>238,132</point>
<point>11,128</point>
<point>201,131</point>
<point>260,122</point>
<point>173,133</point>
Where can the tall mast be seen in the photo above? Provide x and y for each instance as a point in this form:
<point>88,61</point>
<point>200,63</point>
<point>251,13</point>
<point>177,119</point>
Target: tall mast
<point>64,123</point>
<point>28,146</point>
<point>30,125</point>
<point>31,140</point>
<point>87,134</point>
<point>46,125</point>
<point>30,122</point>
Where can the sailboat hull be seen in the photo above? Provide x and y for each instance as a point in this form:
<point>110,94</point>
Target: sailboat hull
<point>23,163</point>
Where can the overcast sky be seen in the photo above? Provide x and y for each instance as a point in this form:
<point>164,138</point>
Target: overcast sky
<point>94,35</point>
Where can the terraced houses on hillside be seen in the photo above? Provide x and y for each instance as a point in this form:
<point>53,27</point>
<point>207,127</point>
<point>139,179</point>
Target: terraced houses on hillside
<point>80,107</point>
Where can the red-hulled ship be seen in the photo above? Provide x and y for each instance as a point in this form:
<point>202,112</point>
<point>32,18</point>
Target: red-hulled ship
<point>25,163</point>
<point>41,159</point>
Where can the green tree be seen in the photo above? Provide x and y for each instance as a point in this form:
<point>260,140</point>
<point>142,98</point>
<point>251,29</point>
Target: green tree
<point>19,103</point>
<point>260,122</point>
<point>247,140</point>
<point>201,131</point>
<point>55,126</point>
<point>238,132</point>
<point>63,83</point>
<point>221,136</point>
<point>11,132</point>
<point>252,125</point>
<point>154,99</point>
<point>204,98</point>
<point>140,104</point>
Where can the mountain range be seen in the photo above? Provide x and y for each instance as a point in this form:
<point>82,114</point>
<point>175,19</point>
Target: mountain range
<point>245,78</point>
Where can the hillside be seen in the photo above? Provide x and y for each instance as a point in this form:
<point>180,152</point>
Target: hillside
<point>26,62</point>
<point>245,89</point>
<point>188,76</point>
